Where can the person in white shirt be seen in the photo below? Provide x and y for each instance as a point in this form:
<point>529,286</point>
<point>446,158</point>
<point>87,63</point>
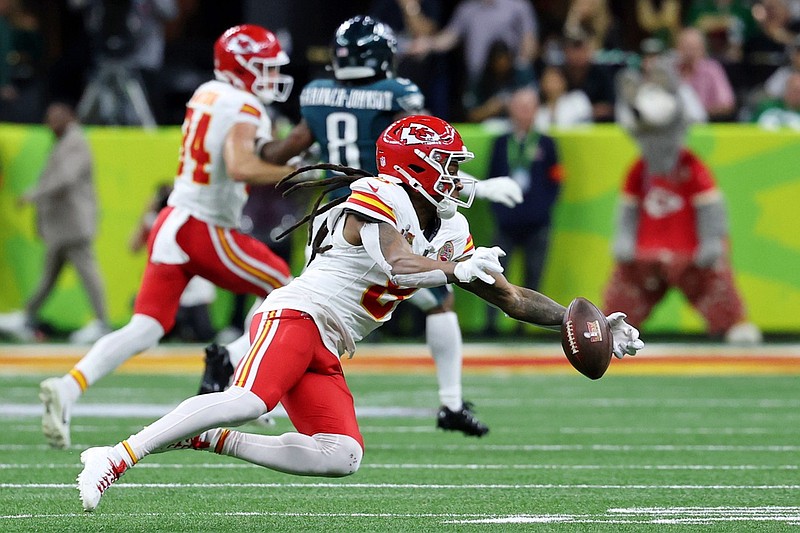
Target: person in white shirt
<point>559,107</point>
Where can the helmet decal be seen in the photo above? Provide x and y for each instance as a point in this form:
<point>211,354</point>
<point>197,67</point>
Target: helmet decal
<point>416,133</point>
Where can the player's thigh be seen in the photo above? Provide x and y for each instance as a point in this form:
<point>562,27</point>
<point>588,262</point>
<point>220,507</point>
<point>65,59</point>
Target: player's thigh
<point>232,260</point>
<point>321,402</point>
<point>160,292</point>
<point>282,348</point>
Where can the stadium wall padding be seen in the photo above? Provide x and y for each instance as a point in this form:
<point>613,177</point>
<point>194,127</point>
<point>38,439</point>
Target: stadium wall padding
<point>758,171</point>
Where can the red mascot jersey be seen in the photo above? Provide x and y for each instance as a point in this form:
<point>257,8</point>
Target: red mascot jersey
<point>667,204</point>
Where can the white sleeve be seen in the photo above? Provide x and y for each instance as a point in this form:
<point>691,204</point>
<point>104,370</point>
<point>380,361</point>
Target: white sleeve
<point>370,239</point>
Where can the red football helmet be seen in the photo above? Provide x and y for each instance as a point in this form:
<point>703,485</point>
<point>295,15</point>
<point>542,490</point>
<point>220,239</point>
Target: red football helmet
<point>421,151</point>
<point>249,57</point>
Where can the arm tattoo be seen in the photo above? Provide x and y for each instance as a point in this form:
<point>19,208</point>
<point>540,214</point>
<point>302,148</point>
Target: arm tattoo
<point>520,303</point>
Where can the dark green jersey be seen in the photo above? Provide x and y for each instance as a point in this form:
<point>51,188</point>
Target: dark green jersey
<point>346,119</point>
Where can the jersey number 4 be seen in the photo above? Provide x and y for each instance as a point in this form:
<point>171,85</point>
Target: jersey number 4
<point>194,146</point>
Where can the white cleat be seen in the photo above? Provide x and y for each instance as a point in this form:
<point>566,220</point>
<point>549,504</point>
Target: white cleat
<point>15,324</point>
<point>90,333</point>
<point>744,334</point>
<point>99,472</point>
<point>55,419</point>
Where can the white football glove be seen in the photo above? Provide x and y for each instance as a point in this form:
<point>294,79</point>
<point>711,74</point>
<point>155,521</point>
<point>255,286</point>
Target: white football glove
<point>626,337</point>
<point>503,190</point>
<point>481,262</point>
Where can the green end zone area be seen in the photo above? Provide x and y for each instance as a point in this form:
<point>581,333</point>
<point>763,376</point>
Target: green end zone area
<point>625,453</point>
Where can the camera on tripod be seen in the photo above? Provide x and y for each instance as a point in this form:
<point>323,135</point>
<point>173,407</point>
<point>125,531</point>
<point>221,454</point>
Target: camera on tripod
<point>112,26</point>
<point>115,94</point>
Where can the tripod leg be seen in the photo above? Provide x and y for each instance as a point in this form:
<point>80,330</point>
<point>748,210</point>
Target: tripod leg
<point>136,94</point>
<point>91,96</point>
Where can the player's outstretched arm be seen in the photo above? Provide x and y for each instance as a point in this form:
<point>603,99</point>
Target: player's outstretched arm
<point>519,303</point>
<point>280,151</point>
<point>241,161</point>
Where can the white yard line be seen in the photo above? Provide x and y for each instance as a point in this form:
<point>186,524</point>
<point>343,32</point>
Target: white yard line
<point>412,486</point>
<point>415,466</point>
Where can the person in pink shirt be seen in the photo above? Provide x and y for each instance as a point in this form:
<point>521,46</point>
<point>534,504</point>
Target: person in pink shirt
<point>705,75</point>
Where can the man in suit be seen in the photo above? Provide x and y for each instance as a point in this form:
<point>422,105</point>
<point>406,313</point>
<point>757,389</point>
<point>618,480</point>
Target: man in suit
<point>66,220</point>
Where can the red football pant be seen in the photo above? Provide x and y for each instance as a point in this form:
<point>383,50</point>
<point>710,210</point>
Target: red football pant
<point>229,259</point>
<point>288,363</point>
<point>636,287</point>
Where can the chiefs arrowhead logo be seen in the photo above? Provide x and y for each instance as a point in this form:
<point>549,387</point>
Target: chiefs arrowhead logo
<point>243,44</point>
<point>416,133</point>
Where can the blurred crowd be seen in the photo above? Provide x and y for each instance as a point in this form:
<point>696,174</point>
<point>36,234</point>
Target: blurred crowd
<point>137,61</point>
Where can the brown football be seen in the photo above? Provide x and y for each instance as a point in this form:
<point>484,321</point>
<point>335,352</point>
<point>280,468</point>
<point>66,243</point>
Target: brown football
<point>586,338</point>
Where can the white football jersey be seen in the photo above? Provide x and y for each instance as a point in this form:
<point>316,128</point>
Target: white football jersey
<point>202,185</point>
<point>344,289</point>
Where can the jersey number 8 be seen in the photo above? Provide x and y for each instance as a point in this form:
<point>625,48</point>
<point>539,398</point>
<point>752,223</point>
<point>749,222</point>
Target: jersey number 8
<point>342,132</point>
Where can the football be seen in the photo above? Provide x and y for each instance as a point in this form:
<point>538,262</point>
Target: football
<point>586,338</point>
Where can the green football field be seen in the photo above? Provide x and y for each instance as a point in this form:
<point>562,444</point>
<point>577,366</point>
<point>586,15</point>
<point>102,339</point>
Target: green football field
<point>650,451</point>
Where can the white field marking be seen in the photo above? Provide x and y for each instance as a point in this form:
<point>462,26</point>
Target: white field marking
<point>152,410</point>
<point>680,431</point>
<point>677,403</point>
<point>414,466</point>
<point>193,351</point>
<point>516,448</point>
<point>157,410</point>
<point>674,515</point>
<point>404,486</point>
<point>255,513</point>
<point>37,428</point>
<point>678,515</point>
<point>775,448</point>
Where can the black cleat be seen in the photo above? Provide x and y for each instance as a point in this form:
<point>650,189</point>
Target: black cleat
<point>462,420</point>
<point>218,370</point>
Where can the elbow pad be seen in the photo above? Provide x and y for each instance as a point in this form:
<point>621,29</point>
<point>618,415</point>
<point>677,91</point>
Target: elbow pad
<point>370,239</point>
<point>421,280</point>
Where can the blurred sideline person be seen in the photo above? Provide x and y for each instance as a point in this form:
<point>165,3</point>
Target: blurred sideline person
<point>395,233</point>
<point>195,234</point>
<point>345,115</point>
<point>66,220</point>
<point>530,158</point>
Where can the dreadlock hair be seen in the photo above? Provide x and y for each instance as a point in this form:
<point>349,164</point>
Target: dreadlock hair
<point>346,176</point>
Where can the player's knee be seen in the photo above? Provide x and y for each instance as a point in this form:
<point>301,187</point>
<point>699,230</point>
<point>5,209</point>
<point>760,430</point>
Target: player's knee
<point>243,404</point>
<point>344,453</point>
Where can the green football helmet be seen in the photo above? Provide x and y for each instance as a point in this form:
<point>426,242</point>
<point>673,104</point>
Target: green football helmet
<point>363,48</point>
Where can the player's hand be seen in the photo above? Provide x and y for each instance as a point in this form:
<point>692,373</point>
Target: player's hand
<point>626,337</point>
<point>481,262</point>
<point>305,158</point>
<point>503,190</point>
